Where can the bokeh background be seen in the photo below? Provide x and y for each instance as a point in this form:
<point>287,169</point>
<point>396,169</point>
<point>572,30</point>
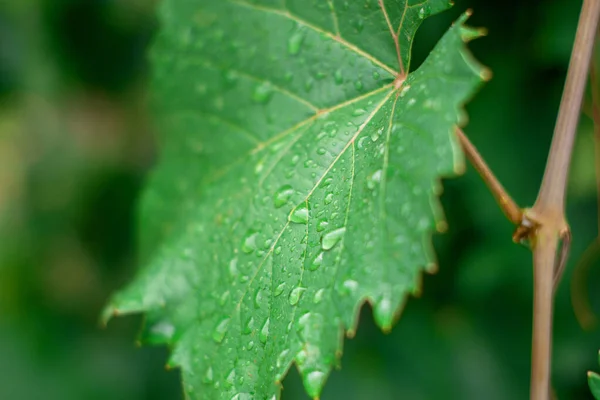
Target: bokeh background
<point>76,142</point>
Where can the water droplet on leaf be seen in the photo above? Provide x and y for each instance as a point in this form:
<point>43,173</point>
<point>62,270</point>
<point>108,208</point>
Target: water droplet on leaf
<point>332,238</point>
<point>264,332</point>
<point>262,93</point>
<point>295,42</point>
<point>282,196</point>
<point>316,262</point>
<point>295,295</point>
<point>314,382</point>
<point>249,243</point>
<point>299,215</point>
<point>220,330</point>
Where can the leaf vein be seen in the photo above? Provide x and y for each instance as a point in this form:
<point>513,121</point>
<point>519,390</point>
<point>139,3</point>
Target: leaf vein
<point>288,15</point>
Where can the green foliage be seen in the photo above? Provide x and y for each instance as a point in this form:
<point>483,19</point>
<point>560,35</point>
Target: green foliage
<point>298,179</point>
<point>594,380</point>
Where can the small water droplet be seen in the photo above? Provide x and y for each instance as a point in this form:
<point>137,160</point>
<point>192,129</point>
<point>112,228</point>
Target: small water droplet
<point>220,330</point>
<point>249,243</point>
<point>279,289</point>
<point>208,376</point>
<point>338,77</point>
<point>358,85</point>
<point>282,358</point>
<point>374,179</point>
<point>224,298</point>
<point>322,224</point>
<point>299,215</point>
<point>262,93</point>
<point>242,396</point>
<point>376,75</point>
<point>258,298</point>
<point>301,357</point>
<point>319,296</point>
<point>328,198</point>
<point>332,238</point>
<point>233,271</point>
<point>308,85</point>
<point>358,112</point>
<point>264,332</point>
<point>250,345</point>
<point>360,24</point>
<point>321,151</point>
<point>404,90</point>
<point>316,262</point>
<point>277,250</point>
<point>376,134</point>
<point>350,286</point>
<point>295,42</point>
<point>249,326</point>
<point>295,295</point>
<point>230,379</point>
<point>282,196</point>
<point>314,382</point>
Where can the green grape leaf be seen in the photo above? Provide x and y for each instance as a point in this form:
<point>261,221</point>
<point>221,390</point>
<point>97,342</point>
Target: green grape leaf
<point>298,178</point>
<point>594,381</point>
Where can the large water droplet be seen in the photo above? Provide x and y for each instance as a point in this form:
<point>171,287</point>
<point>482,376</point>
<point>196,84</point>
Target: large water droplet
<point>220,330</point>
<point>384,314</point>
<point>264,332</point>
<point>314,382</point>
<point>262,93</point>
<point>332,238</point>
<point>299,215</point>
<point>295,295</point>
<point>164,329</point>
<point>249,243</point>
<point>350,286</point>
<point>319,296</point>
<point>316,262</point>
<point>282,196</point>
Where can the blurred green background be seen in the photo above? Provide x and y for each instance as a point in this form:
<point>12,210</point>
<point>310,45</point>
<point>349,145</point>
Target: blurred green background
<point>76,142</point>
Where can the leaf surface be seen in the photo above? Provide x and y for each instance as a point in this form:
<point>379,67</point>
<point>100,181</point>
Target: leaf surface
<point>298,179</point>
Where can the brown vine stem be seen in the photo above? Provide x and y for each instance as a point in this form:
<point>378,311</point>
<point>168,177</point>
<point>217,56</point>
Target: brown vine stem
<point>506,203</point>
<point>547,218</point>
<point>579,289</point>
